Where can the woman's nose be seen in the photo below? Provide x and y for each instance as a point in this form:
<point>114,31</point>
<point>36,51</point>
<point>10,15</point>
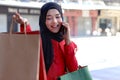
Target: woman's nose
<point>54,20</point>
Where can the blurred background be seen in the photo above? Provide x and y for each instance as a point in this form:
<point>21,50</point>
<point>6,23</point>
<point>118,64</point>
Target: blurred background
<point>95,28</point>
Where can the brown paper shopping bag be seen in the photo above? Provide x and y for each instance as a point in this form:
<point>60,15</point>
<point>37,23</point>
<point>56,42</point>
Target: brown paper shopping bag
<point>19,56</point>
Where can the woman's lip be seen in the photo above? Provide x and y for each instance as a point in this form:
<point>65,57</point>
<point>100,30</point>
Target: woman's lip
<point>56,26</point>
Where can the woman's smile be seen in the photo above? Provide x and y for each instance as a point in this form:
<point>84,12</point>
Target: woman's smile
<point>53,20</point>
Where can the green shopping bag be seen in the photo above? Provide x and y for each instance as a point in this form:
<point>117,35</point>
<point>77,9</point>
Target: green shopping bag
<point>81,74</point>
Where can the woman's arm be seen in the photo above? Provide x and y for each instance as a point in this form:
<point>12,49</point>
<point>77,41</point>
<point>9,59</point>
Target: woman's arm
<point>70,58</point>
<point>22,21</point>
<point>67,33</point>
<point>70,50</point>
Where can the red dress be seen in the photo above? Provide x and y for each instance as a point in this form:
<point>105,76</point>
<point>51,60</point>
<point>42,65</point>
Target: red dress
<point>64,57</point>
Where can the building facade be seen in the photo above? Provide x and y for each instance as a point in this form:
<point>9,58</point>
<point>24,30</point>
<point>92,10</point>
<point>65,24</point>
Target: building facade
<point>84,20</point>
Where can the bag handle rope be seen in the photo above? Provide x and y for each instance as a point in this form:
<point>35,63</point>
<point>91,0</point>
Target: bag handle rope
<point>12,26</point>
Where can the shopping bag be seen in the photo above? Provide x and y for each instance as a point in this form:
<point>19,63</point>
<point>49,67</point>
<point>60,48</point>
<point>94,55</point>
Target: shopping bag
<point>81,74</point>
<point>19,56</point>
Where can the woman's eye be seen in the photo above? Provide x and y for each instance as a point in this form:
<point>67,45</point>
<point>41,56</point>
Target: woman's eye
<point>58,17</point>
<point>48,18</point>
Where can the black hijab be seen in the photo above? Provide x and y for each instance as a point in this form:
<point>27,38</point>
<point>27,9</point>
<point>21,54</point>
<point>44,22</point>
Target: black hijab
<point>47,35</point>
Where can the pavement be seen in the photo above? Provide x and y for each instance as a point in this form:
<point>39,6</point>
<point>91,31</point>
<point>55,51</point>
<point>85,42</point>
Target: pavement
<point>112,73</point>
<point>101,54</point>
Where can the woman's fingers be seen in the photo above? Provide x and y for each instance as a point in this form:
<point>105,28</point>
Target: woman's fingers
<point>18,18</point>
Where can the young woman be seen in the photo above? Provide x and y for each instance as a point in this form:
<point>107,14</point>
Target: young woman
<point>57,49</point>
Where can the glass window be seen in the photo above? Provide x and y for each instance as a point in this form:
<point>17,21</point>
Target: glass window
<point>58,0</point>
<point>105,23</point>
<point>73,0</point>
<point>3,23</point>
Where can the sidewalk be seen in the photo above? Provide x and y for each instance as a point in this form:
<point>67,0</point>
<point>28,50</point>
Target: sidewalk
<point>106,74</point>
<point>101,54</point>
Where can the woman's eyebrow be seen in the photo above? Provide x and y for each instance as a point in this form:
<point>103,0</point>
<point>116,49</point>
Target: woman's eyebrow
<point>48,15</point>
<point>57,14</point>
<point>51,15</point>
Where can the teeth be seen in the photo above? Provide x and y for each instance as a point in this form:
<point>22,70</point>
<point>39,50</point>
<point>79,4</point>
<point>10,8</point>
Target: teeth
<point>56,26</point>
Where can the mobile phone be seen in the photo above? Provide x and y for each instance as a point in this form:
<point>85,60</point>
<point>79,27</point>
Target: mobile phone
<point>63,29</point>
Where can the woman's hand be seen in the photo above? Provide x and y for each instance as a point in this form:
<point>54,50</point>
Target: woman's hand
<point>67,33</point>
<point>19,19</point>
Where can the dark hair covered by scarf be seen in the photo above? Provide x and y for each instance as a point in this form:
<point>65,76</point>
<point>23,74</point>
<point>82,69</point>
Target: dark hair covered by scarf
<point>47,35</point>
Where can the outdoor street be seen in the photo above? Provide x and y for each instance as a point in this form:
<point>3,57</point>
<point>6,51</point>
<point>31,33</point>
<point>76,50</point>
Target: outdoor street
<point>94,21</point>
<point>112,73</point>
<point>101,54</point>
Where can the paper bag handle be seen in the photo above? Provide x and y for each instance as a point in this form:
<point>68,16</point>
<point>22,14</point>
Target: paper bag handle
<point>12,26</point>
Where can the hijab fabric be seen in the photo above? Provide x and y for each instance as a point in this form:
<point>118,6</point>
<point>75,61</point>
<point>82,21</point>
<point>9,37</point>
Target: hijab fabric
<point>46,35</point>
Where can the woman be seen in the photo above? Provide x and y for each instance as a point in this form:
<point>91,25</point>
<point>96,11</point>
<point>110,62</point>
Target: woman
<point>58,49</point>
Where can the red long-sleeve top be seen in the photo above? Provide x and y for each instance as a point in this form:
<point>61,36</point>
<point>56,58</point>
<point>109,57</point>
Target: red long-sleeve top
<point>64,57</point>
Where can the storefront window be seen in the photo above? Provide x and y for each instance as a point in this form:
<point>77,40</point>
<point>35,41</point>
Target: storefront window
<point>3,23</point>
<point>105,26</point>
<point>73,0</point>
<point>105,23</point>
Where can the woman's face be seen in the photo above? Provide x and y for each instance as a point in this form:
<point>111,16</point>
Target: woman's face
<point>53,20</point>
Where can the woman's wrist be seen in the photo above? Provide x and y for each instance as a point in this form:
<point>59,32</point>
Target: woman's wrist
<point>25,21</point>
<point>67,41</point>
